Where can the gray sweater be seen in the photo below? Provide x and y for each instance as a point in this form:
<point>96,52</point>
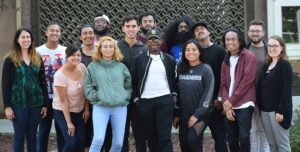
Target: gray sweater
<point>195,88</point>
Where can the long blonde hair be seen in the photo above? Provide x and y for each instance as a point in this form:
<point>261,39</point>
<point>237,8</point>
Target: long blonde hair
<point>117,53</point>
<point>16,55</point>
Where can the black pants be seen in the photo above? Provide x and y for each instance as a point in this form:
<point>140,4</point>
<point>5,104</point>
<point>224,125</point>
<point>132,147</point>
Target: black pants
<point>89,129</point>
<point>137,128</point>
<point>239,130</point>
<point>157,116</point>
<point>191,139</point>
<point>216,125</point>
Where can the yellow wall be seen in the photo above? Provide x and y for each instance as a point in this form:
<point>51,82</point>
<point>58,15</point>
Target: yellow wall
<point>7,30</point>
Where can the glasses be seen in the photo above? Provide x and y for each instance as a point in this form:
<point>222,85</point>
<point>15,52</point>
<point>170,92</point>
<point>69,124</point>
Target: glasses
<point>274,46</point>
<point>107,46</point>
<point>182,27</point>
<point>255,31</point>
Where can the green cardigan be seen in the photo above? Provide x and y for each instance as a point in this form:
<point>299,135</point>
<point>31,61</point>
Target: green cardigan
<point>107,83</point>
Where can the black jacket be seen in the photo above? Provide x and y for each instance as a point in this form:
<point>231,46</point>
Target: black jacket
<point>140,68</point>
<point>275,91</point>
<point>130,52</point>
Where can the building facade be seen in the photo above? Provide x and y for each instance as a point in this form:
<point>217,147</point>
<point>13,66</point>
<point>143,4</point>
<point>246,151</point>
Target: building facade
<point>282,17</point>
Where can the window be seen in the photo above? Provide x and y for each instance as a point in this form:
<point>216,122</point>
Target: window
<point>291,24</point>
<point>284,20</point>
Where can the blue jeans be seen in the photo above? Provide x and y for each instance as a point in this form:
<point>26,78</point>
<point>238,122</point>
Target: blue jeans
<point>117,117</point>
<point>157,115</point>
<point>72,143</point>
<point>44,131</point>
<point>25,123</point>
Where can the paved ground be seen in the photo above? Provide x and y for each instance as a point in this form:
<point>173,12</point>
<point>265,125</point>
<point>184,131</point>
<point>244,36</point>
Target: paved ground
<point>6,144</point>
<point>6,131</point>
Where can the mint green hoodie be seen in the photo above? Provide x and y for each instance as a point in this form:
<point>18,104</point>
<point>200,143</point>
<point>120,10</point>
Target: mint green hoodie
<point>107,83</point>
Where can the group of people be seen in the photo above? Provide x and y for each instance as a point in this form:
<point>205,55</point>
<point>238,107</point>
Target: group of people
<point>149,80</point>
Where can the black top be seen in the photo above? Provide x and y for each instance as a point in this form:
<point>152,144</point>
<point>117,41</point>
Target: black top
<point>274,91</point>
<point>24,85</point>
<point>195,91</point>
<point>214,56</point>
<point>86,60</point>
<point>130,52</point>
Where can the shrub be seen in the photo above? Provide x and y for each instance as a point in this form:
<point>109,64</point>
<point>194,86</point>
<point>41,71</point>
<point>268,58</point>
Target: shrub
<point>295,132</point>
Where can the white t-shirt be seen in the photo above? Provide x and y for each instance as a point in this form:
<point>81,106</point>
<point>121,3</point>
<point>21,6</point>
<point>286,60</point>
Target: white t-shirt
<point>53,60</point>
<point>233,62</point>
<point>156,84</point>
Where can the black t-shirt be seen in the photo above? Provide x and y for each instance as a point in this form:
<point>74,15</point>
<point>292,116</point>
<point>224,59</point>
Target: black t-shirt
<point>214,56</point>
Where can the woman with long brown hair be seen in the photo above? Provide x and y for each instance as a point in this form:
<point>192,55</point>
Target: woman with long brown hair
<point>24,90</point>
<point>275,95</point>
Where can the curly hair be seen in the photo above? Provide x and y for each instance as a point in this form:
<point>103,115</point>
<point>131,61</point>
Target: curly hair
<point>171,30</point>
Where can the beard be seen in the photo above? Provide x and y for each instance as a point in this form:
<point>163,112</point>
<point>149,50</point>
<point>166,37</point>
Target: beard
<point>256,41</point>
<point>182,37</point>
<point>201,37</point>
<point>102,32</point>
<point>144,30</point>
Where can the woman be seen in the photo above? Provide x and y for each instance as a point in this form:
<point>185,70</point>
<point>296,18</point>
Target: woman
<point>195,89</point>
<point>108,88</point>
<point>24,90</point>
<point>87,50</point>
<point>237,87</point>
<point>70,107</point>
<point>275,97</point>
<point>88,47</point>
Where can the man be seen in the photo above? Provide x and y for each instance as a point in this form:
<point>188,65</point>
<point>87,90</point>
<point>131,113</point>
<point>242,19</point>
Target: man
<point>147,21</point>
<point>256,33</point>
<point>53,55</point>
<point>213,55</point>
<point>238,90</point>
<point>154,85</point>
<point>131,47</point>
<point>102,26</point>
<point>176,34</point>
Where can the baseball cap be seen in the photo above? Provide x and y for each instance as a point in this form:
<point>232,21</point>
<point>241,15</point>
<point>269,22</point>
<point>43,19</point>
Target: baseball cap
<point>153,33</point>
<point>201,23</point>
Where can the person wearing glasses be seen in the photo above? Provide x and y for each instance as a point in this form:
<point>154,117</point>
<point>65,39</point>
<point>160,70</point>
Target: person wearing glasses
<point>176,34</point>
<point>275,95</point>
<point>256,34</point>
<point>108,88</point>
